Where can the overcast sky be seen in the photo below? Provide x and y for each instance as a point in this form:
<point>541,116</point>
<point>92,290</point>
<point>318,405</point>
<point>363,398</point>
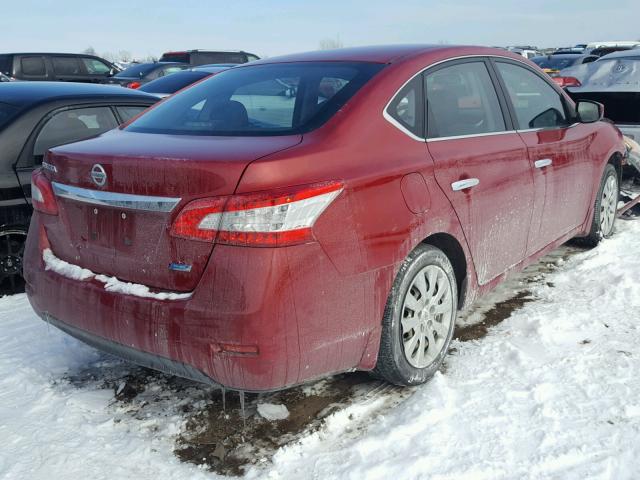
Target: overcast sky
<point>273,27</point>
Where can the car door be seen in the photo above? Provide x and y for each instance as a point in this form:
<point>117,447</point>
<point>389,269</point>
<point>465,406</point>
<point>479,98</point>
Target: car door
<point>480,162</point>
<point>96,70</point>
<point>563,172</point>
<point>67,69</point>
<point>58,127</point>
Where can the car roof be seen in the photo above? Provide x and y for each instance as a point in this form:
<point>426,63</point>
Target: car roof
<point>53,53</point>
<point>31,93</point>
<point>373,54</point>
<point>633,52</point>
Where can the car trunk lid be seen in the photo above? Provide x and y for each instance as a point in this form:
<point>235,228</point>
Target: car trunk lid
<point>118,195</point>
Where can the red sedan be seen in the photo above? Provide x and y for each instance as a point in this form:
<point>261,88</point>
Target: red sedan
<point>316,213</point>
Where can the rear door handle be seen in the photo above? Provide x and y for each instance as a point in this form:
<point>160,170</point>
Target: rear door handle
<point>464,184</point>
<point>545,162</point>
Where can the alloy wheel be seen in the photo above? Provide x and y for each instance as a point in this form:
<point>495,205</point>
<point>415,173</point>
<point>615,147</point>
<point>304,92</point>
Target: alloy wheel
<point>608,205</point>
<point>427,313</point>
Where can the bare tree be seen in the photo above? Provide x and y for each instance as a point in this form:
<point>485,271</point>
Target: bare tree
<point>330,43</point>
<point>110,56</point>
<point>89,51</point>
<point>125,56</point>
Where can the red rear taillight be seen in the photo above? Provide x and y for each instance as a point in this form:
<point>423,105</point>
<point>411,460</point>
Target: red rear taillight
<point>567,81</point>
<point>267,219</point>
<point>134,85</point>
<point>42,196</point>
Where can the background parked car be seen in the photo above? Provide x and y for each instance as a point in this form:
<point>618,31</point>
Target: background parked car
<point>64,67</point>
<point>165,86</point>
<point>378,183</point>
<point>137,75</point>
<point>614,81</point>
<point>208,57</point>
<point>4,78</point>
<point>601,49</point>
<point>552,64</point>
<point>33,118</point>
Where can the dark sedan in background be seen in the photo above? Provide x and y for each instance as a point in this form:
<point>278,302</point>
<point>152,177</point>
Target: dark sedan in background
<point>141,73</point>
<point>552,64</point>
<point>165,86</point>
<point>35,116</point>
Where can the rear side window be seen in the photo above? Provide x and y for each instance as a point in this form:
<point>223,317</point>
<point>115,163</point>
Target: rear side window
<point>536,103</point>
<point>33,66</point>
<point>95,67</point>
<point>71,126</point>
<point>275,99</point>
<point>206,58</point>
<point>128,112</point>
<point>406,109</point>
<point>66,65</point>
<point>175,57</point>
<point>461,100</point>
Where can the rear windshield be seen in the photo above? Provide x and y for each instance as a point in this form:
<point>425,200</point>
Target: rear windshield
<point>274,99</point>
<point>138,70</point>
<point>555,62</point>
<point>7,112</point>
<point>173,83</point>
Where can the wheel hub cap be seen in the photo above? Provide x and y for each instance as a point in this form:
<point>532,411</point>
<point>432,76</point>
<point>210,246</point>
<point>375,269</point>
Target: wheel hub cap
<point>427,315</point>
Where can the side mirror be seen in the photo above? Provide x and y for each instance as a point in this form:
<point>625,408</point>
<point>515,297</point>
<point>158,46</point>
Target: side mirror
<point>112,71</point>
<point>588,111</point>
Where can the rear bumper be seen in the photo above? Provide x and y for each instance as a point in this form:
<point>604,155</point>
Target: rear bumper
<point>260,319</point>
<point>133,355</point>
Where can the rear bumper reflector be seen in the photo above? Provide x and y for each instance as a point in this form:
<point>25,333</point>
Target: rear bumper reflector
<point>117,200</point>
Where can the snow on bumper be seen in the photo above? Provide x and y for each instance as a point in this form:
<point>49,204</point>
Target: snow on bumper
<point>111,284</point>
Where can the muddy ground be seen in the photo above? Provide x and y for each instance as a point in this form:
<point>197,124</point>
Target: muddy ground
<point>216,434</point>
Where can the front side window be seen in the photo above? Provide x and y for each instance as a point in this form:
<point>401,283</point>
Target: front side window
<point>95,67</point>
<point>277,99</point>
<point>71,126</point>
<point>536,103</point>
<point>406,107</point>
<point>33,66</point>
<point>461,100</point>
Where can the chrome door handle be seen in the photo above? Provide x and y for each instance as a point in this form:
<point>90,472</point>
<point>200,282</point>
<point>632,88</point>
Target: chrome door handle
<point>464,184</point>
<point>545,162</point>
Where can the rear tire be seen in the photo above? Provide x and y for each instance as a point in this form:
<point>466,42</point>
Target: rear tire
<point>419,318</point>
<point>12,242</point>
<point>605,209</point>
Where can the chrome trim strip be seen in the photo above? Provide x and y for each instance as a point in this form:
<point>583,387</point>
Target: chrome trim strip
<point>543,162</point>
<point>118,200</point>
<point>473,135</point>
<point>400,127</point>
<point>464,184</point>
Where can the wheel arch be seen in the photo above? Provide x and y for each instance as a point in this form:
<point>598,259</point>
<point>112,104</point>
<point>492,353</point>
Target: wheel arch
<point>455,253</point>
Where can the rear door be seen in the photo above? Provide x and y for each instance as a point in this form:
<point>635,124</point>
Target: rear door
<point>563,172</point>
<point>481,163</point>
<point>67,69</point>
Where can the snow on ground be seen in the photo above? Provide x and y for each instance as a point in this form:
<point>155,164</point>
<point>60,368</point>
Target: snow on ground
<point>551,392</point>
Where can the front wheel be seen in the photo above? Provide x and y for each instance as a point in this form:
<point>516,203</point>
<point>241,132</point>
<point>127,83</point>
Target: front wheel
<point>605,208</point>
<point>419,318</point>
